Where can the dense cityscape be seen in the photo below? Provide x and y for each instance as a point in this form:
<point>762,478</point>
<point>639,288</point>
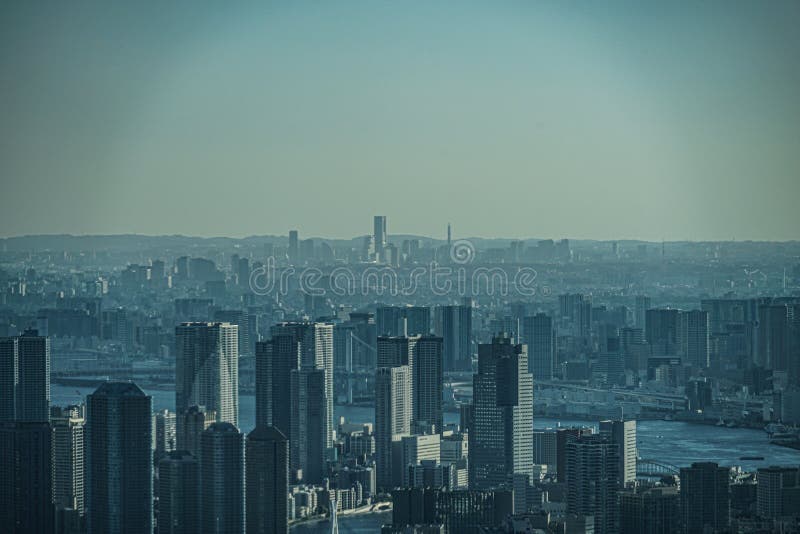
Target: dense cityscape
<point>399,384</point>
<point>418,267</point>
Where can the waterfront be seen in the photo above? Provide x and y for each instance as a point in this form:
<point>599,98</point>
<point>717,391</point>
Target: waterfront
<point>673,442</point>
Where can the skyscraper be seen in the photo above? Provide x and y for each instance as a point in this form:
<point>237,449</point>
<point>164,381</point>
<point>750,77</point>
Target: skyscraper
<point>25,435</point>
<point>9,378</point>
<point>119,471</point>
<point>379,236</point>
<point>454,325</point>
<point>393,414</point>
<point>241,319</point>
<point>577,308</point>
<point>662,331</point>
<point>68,426</point>
<point>696,338</point>
<point>207,370</point>
<point>267,479</point>
<point>308,421</point>
<point>563,437</point>
<point>640,307</point>
<point>25,478</point>
<point>501,437</point>
<point>774,486</point>
<point>427,383</point>
<point>396,321</point>
<point>316,352</point>
<point>222,506</point>
<point>538,334</point>
<point>310,399</point>
<point>705,498</point>
<point>294,246</point>
<point>593,479</point>
<point>275,359</point>
<point>773,337</point>
<point>397,351</point>
<point>178,493</point>
<point>25,378</point>
<point>623,433</point>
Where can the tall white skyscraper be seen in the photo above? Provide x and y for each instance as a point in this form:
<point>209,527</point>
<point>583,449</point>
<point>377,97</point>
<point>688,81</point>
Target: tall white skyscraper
<point>207,370</point>
<point>623,434</point>
<point>393,413</point>
<point>68,458</point>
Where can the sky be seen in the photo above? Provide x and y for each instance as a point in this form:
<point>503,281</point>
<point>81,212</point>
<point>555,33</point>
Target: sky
<point>580,119</point>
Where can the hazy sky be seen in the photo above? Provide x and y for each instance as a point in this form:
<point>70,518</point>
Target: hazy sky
<point>676,120</point>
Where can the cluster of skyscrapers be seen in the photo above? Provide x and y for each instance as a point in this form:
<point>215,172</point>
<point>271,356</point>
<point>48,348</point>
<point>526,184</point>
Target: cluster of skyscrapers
<point>118,464</point>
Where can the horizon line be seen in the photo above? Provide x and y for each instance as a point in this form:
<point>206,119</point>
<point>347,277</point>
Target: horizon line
<point>389,235</point>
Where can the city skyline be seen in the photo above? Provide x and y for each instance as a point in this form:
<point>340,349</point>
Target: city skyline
<point>400,267</point>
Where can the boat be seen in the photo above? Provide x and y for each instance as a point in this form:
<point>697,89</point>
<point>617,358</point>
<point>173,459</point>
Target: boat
<point>774,428</point>
<point>752,458</point>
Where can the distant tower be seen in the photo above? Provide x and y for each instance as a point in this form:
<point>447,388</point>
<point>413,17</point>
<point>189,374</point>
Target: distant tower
<point>294,246</point>
<point>119,459</point>
<point>379,235</point>
<point>449,235</point>
<point>642,303</point>
<point>695,325</point>
<point>538,335</point>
